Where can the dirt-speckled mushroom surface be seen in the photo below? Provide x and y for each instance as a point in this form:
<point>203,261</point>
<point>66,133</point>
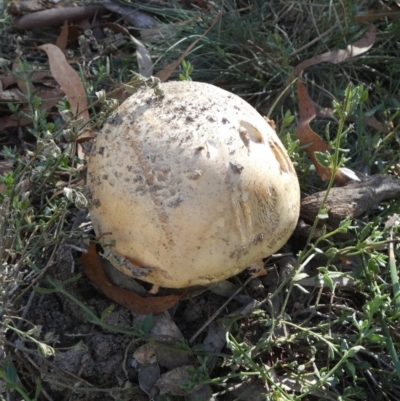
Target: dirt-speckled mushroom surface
<point>192,187</point>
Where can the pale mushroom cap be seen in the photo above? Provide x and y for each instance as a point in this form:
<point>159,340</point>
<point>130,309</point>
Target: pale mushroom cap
<point>193,186</point>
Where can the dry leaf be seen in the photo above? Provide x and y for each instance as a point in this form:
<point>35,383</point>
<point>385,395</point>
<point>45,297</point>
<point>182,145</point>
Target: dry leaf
<point>121,280</point>
<point>49,99</point>
<point>144,306</point>
<point>148,377</point>
<point>203,393</point>
<point>372,15</point>
<point>57,16</point>
<point>145,354</point>
<point>144,59</point>
<point>337,56</point>
<point>68,79</point>
<point>167,71</point>
<point>309,138</point>
<point>202,4</point>
<point>7,81</point>
<point>62,39</point>
<point>170,382</point>
<point>143,56</point>
<point>306,135</point>
<point>223,288</point>
<point>21,81</point>
<point>135,17</point>
<point>166,333</point>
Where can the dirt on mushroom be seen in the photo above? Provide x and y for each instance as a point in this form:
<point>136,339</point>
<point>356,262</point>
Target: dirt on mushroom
<point>192,186</point>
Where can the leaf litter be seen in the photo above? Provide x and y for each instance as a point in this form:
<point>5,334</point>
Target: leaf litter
<point>217,336</point>
<point>93,269</point>
<point>312,141</point>
<point>68,79</point>
<point>338,56</point>
<point>304,133</point>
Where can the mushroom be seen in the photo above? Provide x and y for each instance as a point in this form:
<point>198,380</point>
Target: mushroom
<point>191,187</point>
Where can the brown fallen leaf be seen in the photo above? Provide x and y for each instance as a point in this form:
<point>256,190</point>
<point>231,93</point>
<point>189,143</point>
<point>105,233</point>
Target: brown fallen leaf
<point>24,85</point>
<point>73,88</point>
<point>74,31</point>
<point>57,16</point>
<point>62,38</point>
<point>167,71</point>
<point>307,137</point>
<point>7,81</point>
<point>202,4</point>
<point>144,306</point>
<point>68,79</point>
<point>337,56</point>
<point>49,98</point>
<point>37,76</point>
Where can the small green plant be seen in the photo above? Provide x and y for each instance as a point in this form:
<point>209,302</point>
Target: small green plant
<point>187,69</point>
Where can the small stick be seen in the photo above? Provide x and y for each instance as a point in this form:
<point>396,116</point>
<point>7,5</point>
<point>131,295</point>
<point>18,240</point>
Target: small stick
<point>218,311</point>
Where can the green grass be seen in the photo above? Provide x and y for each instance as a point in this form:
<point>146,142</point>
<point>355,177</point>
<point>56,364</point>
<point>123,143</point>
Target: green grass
<point>332,342</point>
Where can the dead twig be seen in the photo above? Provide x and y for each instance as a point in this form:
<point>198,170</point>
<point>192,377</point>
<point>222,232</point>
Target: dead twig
<point>353,199</point>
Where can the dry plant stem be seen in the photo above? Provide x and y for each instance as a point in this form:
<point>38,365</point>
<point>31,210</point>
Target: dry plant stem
<point>234,387</point>
<point>10,291</point>
<point>262,372</point>
<point>218,311</point>
<point>24,313</point>
<point>39,277</point>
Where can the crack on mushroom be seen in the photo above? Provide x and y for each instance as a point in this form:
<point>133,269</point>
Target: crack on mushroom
<point>236,167</point>
<point>281,157</point>
<point>211,149</point>
<point>253,133</point>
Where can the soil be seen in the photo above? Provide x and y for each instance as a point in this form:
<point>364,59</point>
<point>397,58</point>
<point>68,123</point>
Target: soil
<point>92,363</point>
